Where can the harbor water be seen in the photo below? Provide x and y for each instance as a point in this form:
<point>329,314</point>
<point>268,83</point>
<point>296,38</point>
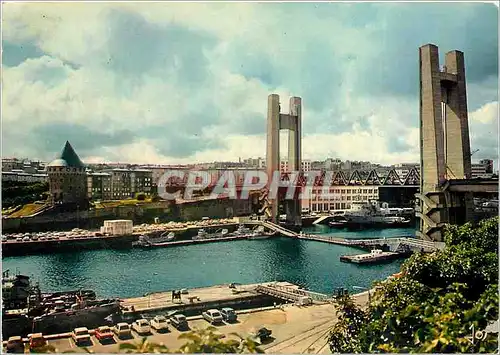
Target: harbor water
<point>135,272</point>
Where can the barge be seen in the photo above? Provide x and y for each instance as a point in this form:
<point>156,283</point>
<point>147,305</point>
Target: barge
<point>66,244</point>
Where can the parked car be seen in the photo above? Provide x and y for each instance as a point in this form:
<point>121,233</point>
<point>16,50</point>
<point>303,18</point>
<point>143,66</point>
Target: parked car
<point>122,330</point>
<point>159,323</point>
<point>228,314</point>
<point>179,321</point>
<point>212,316</point>
<point>104,333</point>
<point>37,341</point>
<point>141,326</point>
<point>15,344</point>
<point>81,335</point>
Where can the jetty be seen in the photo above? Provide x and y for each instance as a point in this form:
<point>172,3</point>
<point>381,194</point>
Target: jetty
<point>237,296</point>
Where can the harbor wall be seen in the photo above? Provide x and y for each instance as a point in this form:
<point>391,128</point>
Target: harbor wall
<point>93,219</point>
<point>194,309</point>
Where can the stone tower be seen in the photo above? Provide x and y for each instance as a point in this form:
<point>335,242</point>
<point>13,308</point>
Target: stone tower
<point>67,178</point>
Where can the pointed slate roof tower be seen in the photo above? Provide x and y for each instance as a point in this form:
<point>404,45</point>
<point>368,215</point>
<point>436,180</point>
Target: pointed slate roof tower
<point>68,158</point>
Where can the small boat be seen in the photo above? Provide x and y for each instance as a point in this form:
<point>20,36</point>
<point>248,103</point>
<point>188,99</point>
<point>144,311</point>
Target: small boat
<point>202,234</point>
<point>242,230</point>
<point>258,233</point>
<point>145,241</point>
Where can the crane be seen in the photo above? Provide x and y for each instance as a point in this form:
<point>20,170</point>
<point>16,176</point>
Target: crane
<point>474,152</point>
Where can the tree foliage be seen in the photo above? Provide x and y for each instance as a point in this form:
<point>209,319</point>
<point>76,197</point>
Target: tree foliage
<point>434,305</point>
<point>19,193</point>
<point>198,341</point>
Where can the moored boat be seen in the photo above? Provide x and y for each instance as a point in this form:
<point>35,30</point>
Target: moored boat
<point>148,241</point>
<point>369,214</point>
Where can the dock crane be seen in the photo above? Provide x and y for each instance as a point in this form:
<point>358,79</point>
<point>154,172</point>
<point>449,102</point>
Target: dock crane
<point>474,152</point>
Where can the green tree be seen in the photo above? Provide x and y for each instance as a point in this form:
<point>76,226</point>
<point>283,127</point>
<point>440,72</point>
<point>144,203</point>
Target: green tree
<point>433,306</point>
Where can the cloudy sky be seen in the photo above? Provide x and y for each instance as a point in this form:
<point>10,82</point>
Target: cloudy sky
<point>172,83</point>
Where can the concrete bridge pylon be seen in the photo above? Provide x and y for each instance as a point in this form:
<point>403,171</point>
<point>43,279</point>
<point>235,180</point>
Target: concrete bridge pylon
<point>292,122</point>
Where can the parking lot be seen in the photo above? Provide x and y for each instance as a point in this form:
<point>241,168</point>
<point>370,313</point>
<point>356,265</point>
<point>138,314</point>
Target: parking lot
<point>294,330</point>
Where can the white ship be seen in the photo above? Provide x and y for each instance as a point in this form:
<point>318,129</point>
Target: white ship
<point>363,213</point>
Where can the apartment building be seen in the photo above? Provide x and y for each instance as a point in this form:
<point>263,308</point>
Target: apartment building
<point>99,186</point>
<point>141,180</point>
<point>482,169</point>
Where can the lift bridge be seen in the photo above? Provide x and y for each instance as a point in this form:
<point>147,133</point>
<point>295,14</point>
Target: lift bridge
<point>401,244</point>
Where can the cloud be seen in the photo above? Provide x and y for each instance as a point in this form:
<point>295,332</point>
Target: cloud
<point>175,82</point>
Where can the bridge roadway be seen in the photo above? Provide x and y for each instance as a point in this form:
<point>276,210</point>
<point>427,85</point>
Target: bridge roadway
<point>395,244</point>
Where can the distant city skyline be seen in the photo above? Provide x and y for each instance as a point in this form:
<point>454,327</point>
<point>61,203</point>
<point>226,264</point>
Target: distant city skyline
<point>171,83</point>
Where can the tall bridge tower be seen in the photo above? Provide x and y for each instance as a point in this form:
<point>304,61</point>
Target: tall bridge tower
<point>292,122</point>
<point>445,152</point>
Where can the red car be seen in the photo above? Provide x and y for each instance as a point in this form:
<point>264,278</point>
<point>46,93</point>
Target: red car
<point>104,333</point>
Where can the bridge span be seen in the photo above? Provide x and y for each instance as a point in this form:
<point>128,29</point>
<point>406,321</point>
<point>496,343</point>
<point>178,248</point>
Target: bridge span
<point>398,244</point>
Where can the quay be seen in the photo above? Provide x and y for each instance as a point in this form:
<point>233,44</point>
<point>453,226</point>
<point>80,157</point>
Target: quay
<point>228,295</point>
<point>295,328</point>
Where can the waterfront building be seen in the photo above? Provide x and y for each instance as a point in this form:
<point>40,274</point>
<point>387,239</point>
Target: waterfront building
<point>121,184</point>
<point>125,183</point>
<point>338,197</point>
<point>141,181</point>
<point>99,186</point>
<point>67,178</point>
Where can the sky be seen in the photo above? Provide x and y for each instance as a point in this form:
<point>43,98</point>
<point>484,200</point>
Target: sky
<point>171,83</point>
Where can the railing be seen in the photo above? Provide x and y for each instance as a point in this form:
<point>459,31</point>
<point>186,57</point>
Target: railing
<point>291,294</point>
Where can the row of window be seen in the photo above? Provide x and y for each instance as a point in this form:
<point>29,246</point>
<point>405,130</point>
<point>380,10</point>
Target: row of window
<point>324,207</point>
<point>343,198</point>
<point>348,191</point>
<point>61,169</point>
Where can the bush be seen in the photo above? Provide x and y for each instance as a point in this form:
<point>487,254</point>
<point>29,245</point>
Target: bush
<point>433,306</point>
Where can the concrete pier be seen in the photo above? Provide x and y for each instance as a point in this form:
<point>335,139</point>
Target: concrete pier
<point>162,301</point>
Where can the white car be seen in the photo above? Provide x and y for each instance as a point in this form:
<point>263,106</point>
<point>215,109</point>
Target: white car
<point>81,335</point>
<point>122,330</point>
<point>159,323</point>
<point>212,316</point>
<point>141,326</point>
